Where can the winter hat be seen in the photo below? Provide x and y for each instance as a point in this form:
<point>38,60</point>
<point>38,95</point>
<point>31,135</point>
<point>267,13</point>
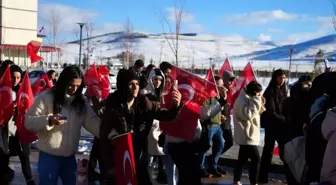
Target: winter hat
<point>124,77</point>
<point>228,76</point>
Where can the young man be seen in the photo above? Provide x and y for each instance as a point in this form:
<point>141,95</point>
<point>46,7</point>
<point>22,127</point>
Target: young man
<point>138,70</point>
<point>127,111</point>
<point>228,79</point>
<point>214,131</point>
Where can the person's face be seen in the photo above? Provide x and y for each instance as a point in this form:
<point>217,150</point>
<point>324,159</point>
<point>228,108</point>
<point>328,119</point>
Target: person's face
<point>74,85</point>
<point>138,69</point>
<point>167,73</point>
<point>220,83</point>
<point>258,93</point>
<point>134,87</point>
<point>228,83</point>
<point>16,78</point>
<point>53,76</point>
<point>157,82</point>
<point>307,84</point>
<point>281,80</point>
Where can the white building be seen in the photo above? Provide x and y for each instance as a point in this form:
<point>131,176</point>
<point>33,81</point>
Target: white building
<point>18,26</point>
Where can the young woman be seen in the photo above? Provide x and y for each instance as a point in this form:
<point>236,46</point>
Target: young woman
<point>58,116</point>
<point>15,148</point>
<point>246,117</point>
<point>52,76</point>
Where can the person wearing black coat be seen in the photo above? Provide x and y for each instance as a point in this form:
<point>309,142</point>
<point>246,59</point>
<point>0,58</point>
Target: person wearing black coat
<point>322,97</point>
<point>273,121</point>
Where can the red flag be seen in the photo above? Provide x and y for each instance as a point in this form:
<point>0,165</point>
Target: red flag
<point>124,160</point>
<point>246,76</point>
<point>91,80</point>
<point>6,97</point>
<point>32,49</point>
<point>226,66</point>
<point>104,82</point>
<point>41,84</point>
<point>25,100</point>
<point>195,91</point>
<point>211,78</point>
<point>276,151</point>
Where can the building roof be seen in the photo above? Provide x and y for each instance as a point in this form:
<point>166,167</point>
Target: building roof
<point>24,47</point>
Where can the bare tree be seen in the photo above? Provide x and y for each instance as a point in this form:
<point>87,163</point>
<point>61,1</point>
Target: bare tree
<point>54,21</point>
<point>128,43</point>
<point>172,41</point>
<point>89,27</point>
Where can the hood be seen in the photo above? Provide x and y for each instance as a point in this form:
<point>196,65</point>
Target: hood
<point>123,78</point>
<point>150,89</point>
<point>328,125</point>
<point>318,105</point>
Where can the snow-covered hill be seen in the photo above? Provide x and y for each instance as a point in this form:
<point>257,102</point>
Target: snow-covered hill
<point>200,47</point>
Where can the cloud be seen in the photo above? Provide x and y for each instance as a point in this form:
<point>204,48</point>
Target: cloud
<point>260,17</point>
<point>68,16</point>
<point>325,27</point>
<point>186,17</point>
<point>263,38</point>
<point>274,30</point>
<point>195,28</point>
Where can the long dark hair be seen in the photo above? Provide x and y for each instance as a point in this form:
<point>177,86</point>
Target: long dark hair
<point>60,89</point>
<point>274,83</point>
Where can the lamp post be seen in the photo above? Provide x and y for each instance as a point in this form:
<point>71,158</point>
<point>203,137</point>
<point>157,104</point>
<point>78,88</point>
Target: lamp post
<point>210,61</point>
<point>80,42</point>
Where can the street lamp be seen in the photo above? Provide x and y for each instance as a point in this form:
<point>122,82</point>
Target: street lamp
<point>210,61</point>
<point>80,42</point>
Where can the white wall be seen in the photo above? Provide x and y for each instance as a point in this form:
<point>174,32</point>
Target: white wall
<point>19,21</point>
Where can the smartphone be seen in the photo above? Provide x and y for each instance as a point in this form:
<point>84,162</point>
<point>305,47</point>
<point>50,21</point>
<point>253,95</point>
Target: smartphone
<point>63,118</point>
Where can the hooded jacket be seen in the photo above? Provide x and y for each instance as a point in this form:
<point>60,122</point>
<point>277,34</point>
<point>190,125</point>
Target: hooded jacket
<point>118,119</point>
<point>246,118</point>
<point>154,94</point>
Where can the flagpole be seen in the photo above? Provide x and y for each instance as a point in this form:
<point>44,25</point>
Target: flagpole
<point>290,64</point>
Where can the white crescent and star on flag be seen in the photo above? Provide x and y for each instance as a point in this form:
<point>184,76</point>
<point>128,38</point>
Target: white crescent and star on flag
<point>127,158</point>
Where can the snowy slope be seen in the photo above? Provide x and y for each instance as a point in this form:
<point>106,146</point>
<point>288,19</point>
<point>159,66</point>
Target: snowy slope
<point>155,46</point>
<point>200,47</point>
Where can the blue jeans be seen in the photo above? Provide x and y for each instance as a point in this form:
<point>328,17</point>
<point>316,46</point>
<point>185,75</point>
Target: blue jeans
<point>51,167</point>
<point>215,134</point>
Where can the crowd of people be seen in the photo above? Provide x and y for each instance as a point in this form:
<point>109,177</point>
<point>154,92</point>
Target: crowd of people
<point>58,114</point>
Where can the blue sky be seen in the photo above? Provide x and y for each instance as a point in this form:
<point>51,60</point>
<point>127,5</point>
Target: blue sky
<point>278,20</point>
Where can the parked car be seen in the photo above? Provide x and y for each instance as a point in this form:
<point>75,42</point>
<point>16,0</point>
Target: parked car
<point>34,75</point>
<point>113,80</point>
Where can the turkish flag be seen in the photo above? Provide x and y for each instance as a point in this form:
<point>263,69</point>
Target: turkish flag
<point>41,84</point>
<point>276,151</point>
<point>6,97</point>
<point>97,81</point>
<point>124,160</point>
<point>104,82</point>
<point>32,49</point>
<point>211,78</point>
<point>226,66</point>
<point>195,91</point>
<point>246,76</point>
<point>25,100</point>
